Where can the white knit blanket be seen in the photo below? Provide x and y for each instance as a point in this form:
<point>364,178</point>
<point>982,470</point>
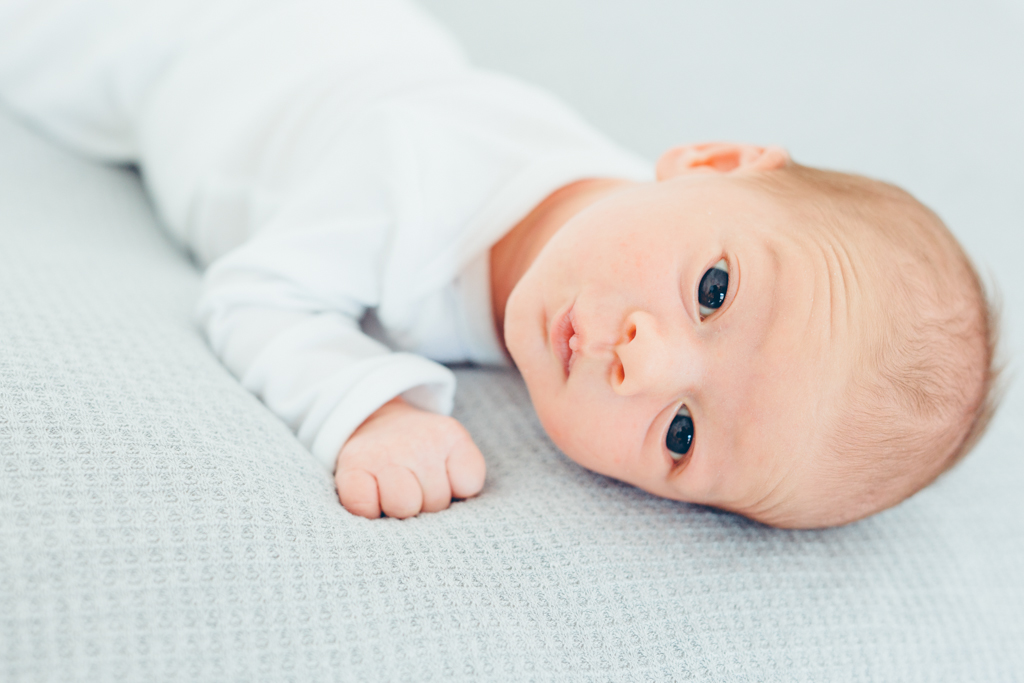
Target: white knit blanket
<point>157,523</point>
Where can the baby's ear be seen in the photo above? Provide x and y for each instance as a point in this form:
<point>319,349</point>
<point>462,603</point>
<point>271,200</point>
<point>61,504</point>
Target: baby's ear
<point>719,157</point>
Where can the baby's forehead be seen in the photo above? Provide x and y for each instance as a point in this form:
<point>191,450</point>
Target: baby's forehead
<point>773,401</point>
<point>901,300</point>
<point>747,211</point>
<point>867,250</point>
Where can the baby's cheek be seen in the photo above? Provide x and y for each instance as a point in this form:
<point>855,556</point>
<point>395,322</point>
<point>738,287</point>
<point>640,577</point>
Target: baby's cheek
<point>555,420</point>
<point>601,442</point>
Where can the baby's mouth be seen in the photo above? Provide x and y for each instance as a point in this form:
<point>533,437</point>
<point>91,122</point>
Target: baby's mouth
<point>564,340</point>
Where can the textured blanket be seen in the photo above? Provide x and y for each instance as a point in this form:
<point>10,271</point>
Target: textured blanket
<point>158,523</point>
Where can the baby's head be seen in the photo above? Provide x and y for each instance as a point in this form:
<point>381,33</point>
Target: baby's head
<point>802,347</point>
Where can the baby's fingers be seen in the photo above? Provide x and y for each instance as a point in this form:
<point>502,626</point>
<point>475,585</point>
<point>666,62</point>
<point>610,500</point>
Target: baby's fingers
<point>466,469</point>
<point>357,491</point>
<point>400,492</point>
<point>437,494</point>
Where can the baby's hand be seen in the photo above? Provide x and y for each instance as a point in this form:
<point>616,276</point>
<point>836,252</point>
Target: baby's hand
<point>403,461</point>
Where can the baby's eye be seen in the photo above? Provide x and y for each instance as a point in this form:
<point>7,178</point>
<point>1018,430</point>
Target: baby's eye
<point>713,288</point>
<point>680,434</point>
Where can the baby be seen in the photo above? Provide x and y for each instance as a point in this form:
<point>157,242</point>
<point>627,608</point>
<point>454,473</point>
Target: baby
<point>799,346</point>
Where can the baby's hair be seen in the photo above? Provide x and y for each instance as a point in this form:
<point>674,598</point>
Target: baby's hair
<point>925,385</point>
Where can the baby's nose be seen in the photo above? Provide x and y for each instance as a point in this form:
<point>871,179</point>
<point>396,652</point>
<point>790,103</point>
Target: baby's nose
<point>650,357</point>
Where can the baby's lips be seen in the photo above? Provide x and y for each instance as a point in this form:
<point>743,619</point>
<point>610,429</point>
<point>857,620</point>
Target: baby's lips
<point>575,344</point>
<point>562,331</point>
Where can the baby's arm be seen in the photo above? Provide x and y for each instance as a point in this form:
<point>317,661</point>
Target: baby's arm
<point>282,313</point>
<point>402,461</point>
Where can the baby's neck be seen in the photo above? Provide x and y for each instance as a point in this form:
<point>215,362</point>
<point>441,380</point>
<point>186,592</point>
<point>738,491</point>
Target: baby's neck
<point>512,255</point>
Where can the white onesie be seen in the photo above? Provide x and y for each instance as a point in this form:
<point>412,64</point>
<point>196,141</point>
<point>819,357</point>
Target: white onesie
<point>324,159</point>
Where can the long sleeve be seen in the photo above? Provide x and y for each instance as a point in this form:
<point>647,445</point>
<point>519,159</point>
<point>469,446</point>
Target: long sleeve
<point>304,354</point>
<point>282,311</point>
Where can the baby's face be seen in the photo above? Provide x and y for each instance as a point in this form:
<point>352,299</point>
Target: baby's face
<point>608,330</point>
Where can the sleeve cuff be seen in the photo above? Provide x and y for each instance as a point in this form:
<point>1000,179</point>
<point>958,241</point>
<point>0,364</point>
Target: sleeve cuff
<point>423,383</point>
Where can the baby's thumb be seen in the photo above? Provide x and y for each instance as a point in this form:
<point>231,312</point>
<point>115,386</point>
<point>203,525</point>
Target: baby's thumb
<point>466,469</point>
